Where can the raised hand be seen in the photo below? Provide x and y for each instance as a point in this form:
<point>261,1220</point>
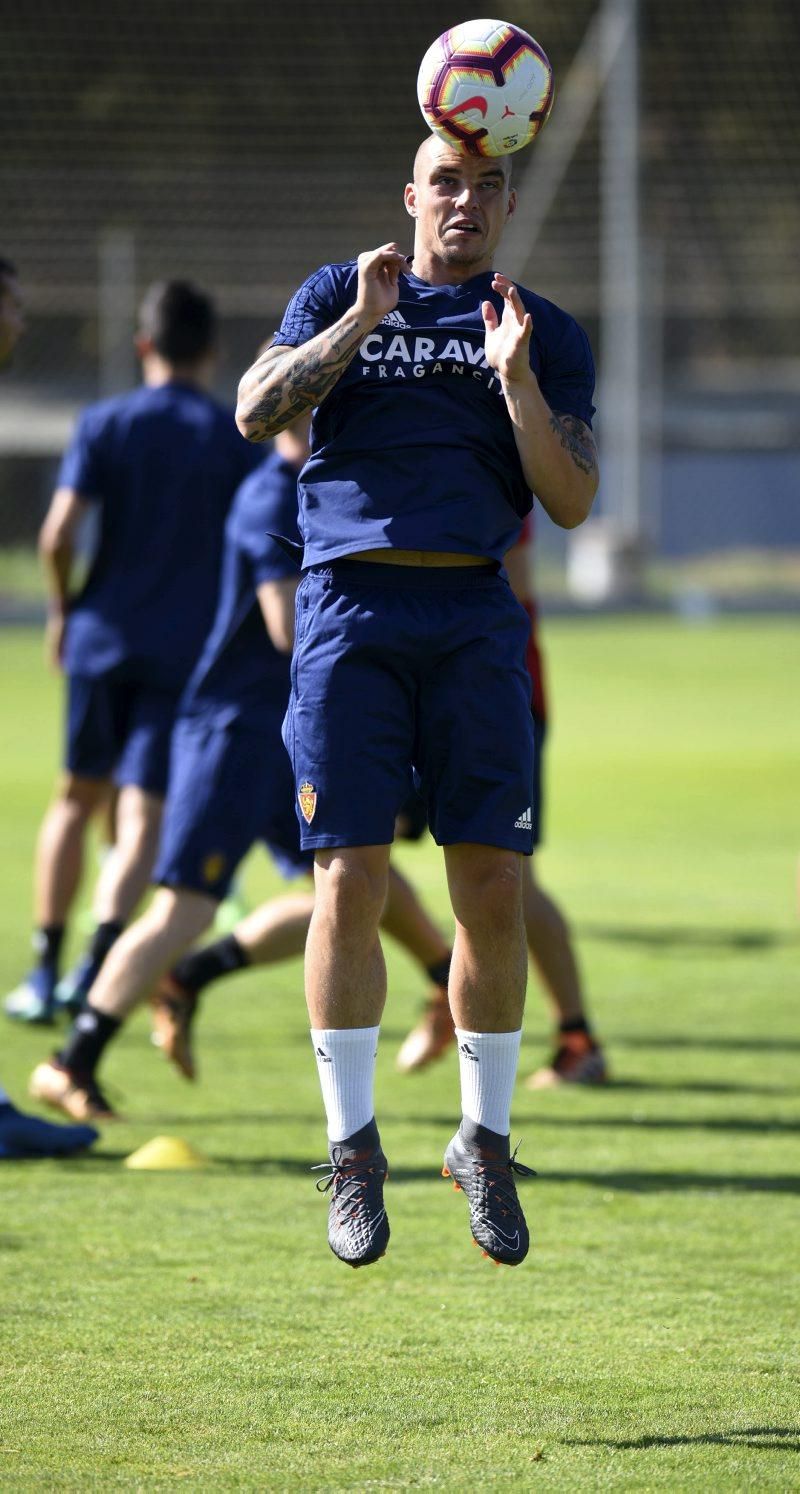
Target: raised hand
<point>508,337</point>
<point>378,277</point>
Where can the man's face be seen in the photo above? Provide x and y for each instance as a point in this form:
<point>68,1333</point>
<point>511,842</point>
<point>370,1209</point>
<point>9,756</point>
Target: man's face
<point>12,317</point>
<point>461,205</point>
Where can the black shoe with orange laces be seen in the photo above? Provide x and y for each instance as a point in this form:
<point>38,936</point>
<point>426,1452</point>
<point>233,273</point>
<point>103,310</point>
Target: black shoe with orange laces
<point>480,1163</point>
<point>358,1229</point>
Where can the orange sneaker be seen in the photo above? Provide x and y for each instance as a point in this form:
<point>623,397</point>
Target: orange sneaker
<point>432,1035</point>
<point>78,1096</point>
<point>173,1012</point>
<point>578,1059</point>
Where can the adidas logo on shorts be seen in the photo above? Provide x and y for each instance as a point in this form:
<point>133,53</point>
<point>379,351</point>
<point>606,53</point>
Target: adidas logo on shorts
<point>525,821</point>
<point>393,319</point>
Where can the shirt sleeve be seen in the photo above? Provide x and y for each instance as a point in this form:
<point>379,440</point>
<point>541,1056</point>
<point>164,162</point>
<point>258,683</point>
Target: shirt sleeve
<point>567,379</point>
<point>316,305</point>
<point>82,466</point>
<point>271,530</point>
<point>274,563</point>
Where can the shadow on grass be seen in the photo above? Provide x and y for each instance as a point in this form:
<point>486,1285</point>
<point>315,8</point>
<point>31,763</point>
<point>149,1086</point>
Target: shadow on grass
<point>715,1041</point>
<point>665,1123</point>
<point>680,1182</point>
<point>782,1438</point>
<point>691,1087</point>
<point>687,938</point>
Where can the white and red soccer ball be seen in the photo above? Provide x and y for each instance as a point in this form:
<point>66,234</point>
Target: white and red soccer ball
<point>485,87</point>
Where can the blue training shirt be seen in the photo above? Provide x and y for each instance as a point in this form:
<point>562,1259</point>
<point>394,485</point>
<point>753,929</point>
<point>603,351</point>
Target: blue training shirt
<point>240,675</point>
<point>162,465</point>
<point>413,448</point>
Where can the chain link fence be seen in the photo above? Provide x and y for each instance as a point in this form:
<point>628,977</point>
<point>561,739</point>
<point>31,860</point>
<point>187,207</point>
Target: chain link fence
<point>244,145</point>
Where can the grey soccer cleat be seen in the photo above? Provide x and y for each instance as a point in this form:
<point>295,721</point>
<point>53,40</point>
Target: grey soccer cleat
<point>358,1229</point>
<point>479,1162</point>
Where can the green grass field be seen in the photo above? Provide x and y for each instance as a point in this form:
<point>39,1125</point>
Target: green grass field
<point>193,1330</point>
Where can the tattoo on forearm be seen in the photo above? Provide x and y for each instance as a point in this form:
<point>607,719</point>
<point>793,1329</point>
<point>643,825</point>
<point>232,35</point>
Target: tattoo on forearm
<point>577,439</point>
<point>305,376</point>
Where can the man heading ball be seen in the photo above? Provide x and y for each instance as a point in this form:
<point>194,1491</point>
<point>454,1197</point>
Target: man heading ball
<point>445,396</point>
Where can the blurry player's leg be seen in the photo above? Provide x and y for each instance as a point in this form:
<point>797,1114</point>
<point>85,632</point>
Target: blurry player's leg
<point>126,874</point>
<point>139,957</point>
<point>58,870</point>
<point>123,880</point>
<point>405,918</point>
<point>273,932</point>
<point>145,719</point>
<point>578,1057</point>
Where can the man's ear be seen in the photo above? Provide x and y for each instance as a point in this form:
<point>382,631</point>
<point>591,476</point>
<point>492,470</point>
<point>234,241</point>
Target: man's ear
<point>512,204</point>
<point>143,344</point>
<point>410,200</point>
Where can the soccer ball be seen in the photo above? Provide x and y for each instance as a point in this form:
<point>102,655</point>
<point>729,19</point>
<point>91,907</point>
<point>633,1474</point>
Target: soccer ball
<point>485,87</point>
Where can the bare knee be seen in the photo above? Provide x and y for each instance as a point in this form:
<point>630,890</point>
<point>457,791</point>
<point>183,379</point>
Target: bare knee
<point>138,818</point>
<point>78,799</point>
<point>176,914</point>
<point>485,887</point>
<point>351,888</point>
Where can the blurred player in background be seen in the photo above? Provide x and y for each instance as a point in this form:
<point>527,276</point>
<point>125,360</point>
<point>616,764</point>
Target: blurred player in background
<point>230,785</point>
<point>578,1057</point>
<point>23,1136</point>
<point>160,465</point>
<point>444,398</point>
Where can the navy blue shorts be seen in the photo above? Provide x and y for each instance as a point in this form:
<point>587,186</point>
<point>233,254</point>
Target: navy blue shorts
<point>229,787</point>
<point>117,727</point>
<point>399,671</point>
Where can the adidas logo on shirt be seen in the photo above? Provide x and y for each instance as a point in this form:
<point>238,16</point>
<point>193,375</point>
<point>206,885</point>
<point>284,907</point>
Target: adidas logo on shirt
<point>525,821</point>
<point>393,319</point>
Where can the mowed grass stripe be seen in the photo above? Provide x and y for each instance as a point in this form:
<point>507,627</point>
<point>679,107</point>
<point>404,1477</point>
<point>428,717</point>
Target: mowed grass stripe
<point>163,1330</point>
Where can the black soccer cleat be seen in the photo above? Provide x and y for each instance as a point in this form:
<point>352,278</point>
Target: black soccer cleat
<point>358,1229</point>
<point>479,1162</point>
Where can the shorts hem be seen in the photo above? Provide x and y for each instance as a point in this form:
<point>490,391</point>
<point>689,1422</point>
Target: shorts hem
<point>183,884</point>
<point>341,842</point>
<point>496,841</point>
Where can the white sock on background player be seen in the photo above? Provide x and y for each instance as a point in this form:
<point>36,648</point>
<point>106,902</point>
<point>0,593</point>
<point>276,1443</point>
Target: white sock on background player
<point>346,1066</point>
<point>488,1065</point>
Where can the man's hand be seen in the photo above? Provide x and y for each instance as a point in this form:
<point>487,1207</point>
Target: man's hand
<point>556,451</point>
<point>378,281</point>
<point>285,381</point>
<point>508,339</point>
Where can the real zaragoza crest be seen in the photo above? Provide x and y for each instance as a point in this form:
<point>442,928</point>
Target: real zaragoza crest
<point>307,799</point>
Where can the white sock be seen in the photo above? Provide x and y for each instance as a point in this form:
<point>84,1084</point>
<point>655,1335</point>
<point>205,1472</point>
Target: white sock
<point>488,1064</point>
<point>346,1066</point>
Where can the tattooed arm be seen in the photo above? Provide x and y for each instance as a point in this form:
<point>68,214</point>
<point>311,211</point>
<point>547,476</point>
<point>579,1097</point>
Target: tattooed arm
<point>557,452</point>
<point>285,381</point>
